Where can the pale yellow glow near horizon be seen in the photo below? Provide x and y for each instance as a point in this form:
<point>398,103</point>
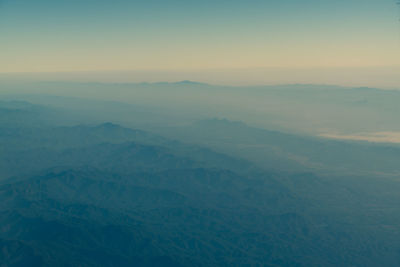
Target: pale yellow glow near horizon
<point>128,56</point>
<point>73,36</point>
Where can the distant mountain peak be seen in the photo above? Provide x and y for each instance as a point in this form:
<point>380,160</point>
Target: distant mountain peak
<point>188,82</point>
<point>184,82</point>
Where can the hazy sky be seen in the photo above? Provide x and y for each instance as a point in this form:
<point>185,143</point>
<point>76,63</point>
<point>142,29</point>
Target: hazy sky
<point>78,35</point>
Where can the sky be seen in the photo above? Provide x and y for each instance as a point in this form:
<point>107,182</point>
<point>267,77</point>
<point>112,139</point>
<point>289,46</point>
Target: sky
<point>188,35</point>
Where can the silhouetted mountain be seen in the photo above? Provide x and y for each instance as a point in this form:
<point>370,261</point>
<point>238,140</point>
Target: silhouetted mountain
<point>187,82</point>
<point>183,217</point>
<point>107,195</point>
<point>106,145</point>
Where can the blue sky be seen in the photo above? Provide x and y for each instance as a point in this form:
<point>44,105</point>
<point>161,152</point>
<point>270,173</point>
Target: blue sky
<point>43,35</point>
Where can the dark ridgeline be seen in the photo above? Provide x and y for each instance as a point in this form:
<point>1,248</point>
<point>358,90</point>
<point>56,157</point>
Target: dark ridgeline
<point>105,195</point>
